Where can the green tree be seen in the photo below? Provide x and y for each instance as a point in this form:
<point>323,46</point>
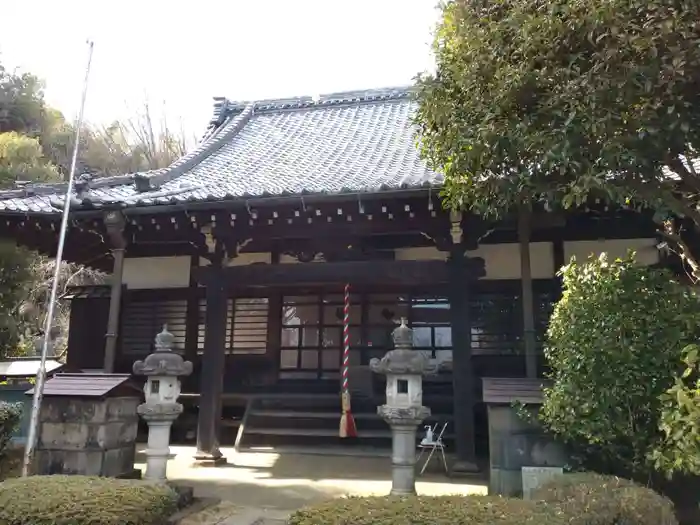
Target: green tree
<point>22,158</point>
<point>614,345</point>
<point>558,101</point>
<point>36,145</point>
<point>21,103</point>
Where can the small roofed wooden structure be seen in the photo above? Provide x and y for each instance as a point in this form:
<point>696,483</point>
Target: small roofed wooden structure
<point>89,385</point>
<point>87,425</point>
<point>509,390</point>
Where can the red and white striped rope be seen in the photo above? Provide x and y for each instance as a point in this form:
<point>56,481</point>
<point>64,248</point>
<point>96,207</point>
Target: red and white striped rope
<point>346,338</point>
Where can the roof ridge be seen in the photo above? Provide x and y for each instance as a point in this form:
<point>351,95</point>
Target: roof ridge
<point>225,106</point>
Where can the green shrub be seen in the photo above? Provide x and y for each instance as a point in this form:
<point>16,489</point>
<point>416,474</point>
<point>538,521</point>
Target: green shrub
<point>614,345</point>
<point>592,499</point>
<point>10,417</point>
<point>82,500</point>
<point>450,510</point>
<point>680,420</point>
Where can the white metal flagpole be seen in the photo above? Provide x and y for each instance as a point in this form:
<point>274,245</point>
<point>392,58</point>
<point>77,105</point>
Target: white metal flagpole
<point>41,374</point>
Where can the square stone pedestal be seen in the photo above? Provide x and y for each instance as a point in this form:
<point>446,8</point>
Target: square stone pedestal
<point>87,435</point>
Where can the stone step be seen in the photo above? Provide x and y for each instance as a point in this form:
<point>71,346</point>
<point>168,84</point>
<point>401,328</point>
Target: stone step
<point>314,432</point>
<point>331,415</point>
<point>320,432</point>
<point>307,414</point>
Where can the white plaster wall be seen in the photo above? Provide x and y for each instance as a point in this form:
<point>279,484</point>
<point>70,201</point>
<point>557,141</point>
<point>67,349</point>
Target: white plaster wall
<point>503,260</point>
<point>157,272</point>
<point>647,253</point>
<point>423,253</point>
<point>245,259</point>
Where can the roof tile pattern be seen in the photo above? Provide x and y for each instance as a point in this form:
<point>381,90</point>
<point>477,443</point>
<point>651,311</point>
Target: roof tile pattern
<point>347,142</point>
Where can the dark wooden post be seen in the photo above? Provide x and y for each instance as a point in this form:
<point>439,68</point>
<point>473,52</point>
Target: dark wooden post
<point>114,223</point>
<point>213,365</point>
<point>528,303</point>
<point>462,370</point>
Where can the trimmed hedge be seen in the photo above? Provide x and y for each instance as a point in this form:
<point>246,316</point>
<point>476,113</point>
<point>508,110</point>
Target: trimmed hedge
<point>83,500</point>
<point>10,418</point>
<point>593,499</point>
<point>449,510</point>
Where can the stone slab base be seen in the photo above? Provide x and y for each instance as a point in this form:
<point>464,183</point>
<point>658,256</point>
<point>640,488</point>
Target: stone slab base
<point>207,460</point>
<point>464,468</point>
<point>196,505</point>
<point>132,474</point>
<point>504,482</point>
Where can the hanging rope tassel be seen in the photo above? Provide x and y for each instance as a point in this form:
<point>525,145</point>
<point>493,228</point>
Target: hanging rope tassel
<point>347,422</point>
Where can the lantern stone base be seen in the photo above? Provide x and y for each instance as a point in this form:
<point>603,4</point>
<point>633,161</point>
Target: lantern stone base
<point>159,418</point>
<point>404,424</point>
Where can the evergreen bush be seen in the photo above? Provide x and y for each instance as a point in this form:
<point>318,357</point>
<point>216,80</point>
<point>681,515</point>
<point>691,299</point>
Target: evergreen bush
<point>83,500</point>
<point>449,510</point>
<point>10,418</point>
<point>614,345</point>
<point>593,499</point>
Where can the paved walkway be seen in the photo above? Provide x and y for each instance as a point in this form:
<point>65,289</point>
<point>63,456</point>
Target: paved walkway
<point>269,484</point>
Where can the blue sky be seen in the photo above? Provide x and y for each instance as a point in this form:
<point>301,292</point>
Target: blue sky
<point>180,54</point>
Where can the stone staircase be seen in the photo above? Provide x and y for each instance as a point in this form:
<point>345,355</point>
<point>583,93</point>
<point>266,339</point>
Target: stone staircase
<point>312,420</point>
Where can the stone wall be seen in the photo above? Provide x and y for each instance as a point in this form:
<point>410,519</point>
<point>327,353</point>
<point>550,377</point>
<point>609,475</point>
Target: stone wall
<point>95,437</point>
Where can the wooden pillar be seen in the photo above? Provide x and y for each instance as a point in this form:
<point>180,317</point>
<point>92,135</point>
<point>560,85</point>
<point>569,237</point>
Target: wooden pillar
<point>114,223</point>
<point>192,316</point>
<point>462,370</point>
<point>528,302</point>
<point>212,371</point>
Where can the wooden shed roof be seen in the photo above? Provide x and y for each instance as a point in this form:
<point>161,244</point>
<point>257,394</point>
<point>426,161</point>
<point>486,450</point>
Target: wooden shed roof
<point>88,385</point>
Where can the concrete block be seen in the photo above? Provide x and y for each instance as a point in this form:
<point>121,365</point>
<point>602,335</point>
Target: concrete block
<point>115,434</point>
<point>64,436</point>
<point>72,410</point>
<point>118,461</point>
<point>87,463</point>
<point>122,408</point>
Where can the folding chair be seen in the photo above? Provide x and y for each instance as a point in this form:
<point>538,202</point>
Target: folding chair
<point>432,443</point>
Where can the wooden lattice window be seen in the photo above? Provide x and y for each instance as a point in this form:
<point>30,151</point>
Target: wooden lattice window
<point>143,320</point>
<point>496,317</point>
<point>246,326</point>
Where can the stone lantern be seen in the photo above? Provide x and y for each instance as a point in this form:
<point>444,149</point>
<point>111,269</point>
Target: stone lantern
<point>404,411</point>
<point>160,408</point>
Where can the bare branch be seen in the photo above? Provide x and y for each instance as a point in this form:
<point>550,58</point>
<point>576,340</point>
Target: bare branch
<point>669,233</point>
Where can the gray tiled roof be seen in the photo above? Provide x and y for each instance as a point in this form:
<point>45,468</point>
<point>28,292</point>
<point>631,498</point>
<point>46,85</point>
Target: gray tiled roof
<point>344,142</point>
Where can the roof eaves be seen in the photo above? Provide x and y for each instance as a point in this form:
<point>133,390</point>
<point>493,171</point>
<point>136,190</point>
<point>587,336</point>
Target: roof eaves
<point>172,204</point>
<point>32,190</point>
